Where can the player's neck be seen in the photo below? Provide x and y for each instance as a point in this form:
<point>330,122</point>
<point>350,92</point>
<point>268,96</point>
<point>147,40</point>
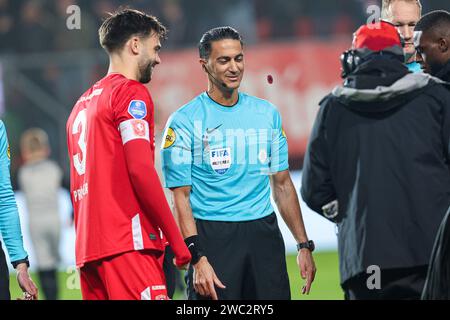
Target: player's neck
<point>117,65</point>
<point>223,96</point>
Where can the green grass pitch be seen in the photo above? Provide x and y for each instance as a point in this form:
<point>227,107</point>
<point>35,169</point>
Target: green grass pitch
<point>325,287</point>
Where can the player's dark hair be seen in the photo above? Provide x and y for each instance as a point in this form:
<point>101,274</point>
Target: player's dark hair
<point>216,34</point>
<point>120,26</point>
<point>435,21</point>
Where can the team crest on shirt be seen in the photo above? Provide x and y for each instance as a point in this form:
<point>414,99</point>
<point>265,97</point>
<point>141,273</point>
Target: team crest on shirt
<point>137,109</point>
<point>220,159</point>
<point>138,128</point>
<point>134,129</point>
<point>171,136</point>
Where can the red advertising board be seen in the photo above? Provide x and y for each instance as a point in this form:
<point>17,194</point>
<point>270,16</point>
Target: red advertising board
<point>303,73</point>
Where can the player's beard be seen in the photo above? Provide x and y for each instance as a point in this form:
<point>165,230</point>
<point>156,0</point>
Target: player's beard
<point>145,71</point>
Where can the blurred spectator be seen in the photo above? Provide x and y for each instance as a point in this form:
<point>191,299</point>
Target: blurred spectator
<point>241,14</point>
<point>33,29</point>
<point>100,10</point>
<point>76,39</point>
<point>6,26</point>
<point>173,17</point>
<point>42,22</point>
<point>40,180</point>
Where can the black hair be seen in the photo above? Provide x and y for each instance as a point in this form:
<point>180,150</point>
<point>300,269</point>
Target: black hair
<point>216,34</point>
<point>436,21</point>
<point>120,26</point>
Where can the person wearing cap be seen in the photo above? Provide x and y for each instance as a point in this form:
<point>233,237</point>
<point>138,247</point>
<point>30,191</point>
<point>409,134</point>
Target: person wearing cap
<point>380,146</point>
<point>432,42</point>
<point>404,14</point>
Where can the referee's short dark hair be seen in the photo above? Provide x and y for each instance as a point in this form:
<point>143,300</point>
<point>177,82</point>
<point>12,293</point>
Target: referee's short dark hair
<point>437,22</point>
<point>216,34</point>
<point>120,26</point>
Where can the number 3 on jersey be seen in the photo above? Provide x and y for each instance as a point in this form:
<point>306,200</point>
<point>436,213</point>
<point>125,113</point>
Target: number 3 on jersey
<point>79,159</point>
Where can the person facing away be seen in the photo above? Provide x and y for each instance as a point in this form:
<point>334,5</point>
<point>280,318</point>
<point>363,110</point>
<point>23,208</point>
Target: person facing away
<point>122,218</point>
<point>220,153</point>
<point>40,180</point>
<point>432,42</point>
<point>380,146</point>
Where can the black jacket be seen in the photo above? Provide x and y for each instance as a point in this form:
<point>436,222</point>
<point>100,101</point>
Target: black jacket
<point>380,146</point>
<point>437,285</point>
<point>444,74</point>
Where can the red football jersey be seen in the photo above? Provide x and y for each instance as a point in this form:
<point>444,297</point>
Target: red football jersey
<point>108,217</point>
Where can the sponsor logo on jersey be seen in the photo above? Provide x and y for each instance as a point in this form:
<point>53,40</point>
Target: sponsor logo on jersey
<point>211,130</point>
<point>171,136</point>
<point>137,109</point>
<point>159,287</point>
<point>220,159</point>
<point>8,152</point>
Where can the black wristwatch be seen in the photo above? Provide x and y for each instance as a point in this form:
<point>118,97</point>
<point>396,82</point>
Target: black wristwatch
<point>17,262</point>
<point>306,245</point>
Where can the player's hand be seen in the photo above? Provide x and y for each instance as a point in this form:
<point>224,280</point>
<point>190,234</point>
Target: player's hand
<point>307,267</point>
<point>205,279</point>
<point>182,257</point>
<point>180,266</point>
<point>25,283</point>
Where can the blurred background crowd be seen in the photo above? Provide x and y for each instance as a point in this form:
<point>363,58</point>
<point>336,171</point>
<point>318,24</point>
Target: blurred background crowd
<point>40,21</point>
<point>44,67</point>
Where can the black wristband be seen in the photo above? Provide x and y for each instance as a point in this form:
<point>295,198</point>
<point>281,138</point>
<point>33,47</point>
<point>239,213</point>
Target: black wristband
<point>17,262</point>
<point>195,248</point>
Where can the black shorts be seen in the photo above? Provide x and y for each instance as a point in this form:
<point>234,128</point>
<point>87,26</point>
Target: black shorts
<point>4,277</point>
<point>248,257</point>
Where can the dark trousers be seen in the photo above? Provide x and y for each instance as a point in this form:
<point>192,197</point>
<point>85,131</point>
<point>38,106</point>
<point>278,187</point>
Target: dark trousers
<point>173,277</point>
<point>248,257</point>
<point>396,284</point>
<point>4,277</point>
<point>49,283</point>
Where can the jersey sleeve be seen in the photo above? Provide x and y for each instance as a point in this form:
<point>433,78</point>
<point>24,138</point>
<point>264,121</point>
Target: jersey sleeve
<point>132,110</point>
<point>279,146</point>
<point>9,215</point>
<point>176,151</point>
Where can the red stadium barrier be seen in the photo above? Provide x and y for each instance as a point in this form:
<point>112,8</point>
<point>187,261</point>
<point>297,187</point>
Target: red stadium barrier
<point>302,73</point>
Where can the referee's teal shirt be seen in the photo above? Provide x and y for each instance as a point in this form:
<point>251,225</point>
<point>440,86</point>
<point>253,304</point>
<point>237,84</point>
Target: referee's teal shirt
<point>9,216</point>
<point>226,155</point>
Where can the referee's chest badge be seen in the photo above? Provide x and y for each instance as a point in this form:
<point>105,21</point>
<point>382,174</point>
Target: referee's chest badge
<point>220,159</point>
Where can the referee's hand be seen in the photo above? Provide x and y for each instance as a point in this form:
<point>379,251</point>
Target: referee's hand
<point>25,283</point>
<point>205,279</point>
<point>307,268</point>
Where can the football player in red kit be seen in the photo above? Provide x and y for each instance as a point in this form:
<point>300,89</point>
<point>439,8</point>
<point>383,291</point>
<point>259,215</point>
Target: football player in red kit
<point>121,214</point>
